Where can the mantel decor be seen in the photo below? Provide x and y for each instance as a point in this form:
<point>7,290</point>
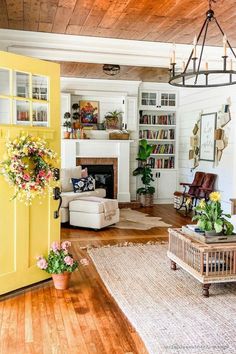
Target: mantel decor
<point>196,76</point>
<point>89,112</point>
<point>28,167</point>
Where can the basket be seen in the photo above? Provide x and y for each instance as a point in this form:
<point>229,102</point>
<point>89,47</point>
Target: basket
<point>118,136</point>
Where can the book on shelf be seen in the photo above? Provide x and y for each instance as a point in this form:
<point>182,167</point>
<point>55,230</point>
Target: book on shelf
<point>162,163</point>
<point>166,119</point>
<point>162,134</point>
<point>164,149</point>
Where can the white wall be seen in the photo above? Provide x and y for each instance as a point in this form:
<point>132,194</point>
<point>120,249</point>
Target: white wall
<point>192,101</point>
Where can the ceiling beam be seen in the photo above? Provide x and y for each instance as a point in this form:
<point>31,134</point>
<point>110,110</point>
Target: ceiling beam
<point>61,47</point>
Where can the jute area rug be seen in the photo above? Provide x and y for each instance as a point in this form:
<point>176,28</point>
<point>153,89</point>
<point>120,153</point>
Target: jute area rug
<point>165,306</point>
<point>133,219</point>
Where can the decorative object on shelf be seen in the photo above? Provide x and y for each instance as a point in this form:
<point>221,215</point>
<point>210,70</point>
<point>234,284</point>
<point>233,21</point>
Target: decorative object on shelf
<point>60,263</point>
<point>210,216</point>
<point>76,116</point>
<point>113,120</point>
<point>111,69</point>
<point>89,111</point>
<point>145,193</point>
<point>119,135</point>
<point>224,115</point>
<point>67,124</point>
<point>101,126</point>
<point>221,138</point>
<point>28,167</point>
<point>197,76</point>
<point>207,137</point>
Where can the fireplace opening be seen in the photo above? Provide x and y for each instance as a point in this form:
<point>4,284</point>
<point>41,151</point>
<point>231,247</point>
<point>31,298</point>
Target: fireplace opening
<point>104,177</point>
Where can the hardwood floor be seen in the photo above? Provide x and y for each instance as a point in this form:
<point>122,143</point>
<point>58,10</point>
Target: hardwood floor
<point>83,319</point>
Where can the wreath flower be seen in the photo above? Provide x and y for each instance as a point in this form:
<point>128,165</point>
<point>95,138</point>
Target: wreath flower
<point>28,167</point>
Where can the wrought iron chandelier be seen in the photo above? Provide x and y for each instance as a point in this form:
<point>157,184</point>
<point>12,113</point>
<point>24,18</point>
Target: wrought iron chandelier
<point>192,74</point>
<point>111,69</point>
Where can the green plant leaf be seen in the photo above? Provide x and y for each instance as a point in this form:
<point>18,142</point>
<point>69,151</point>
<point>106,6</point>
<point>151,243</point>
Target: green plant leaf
<point>218,225</point>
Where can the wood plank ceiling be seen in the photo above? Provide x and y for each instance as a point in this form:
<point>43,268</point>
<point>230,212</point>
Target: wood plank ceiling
<point>148,20</point>
<point>94,71</point>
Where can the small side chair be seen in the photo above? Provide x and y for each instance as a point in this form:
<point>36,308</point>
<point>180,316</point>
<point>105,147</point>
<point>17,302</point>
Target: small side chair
<point>191,191</point>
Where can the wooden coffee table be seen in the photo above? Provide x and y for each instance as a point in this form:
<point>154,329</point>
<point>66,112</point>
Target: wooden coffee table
<point>208,263</point>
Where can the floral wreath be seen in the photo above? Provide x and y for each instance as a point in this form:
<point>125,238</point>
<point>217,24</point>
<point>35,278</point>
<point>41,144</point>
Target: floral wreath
<point>28,167</point>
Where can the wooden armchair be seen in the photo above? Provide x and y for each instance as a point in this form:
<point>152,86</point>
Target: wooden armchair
<point>208,186</point>
<point>191,190</point>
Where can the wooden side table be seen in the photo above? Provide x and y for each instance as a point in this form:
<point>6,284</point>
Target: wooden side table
<point>208,263</point>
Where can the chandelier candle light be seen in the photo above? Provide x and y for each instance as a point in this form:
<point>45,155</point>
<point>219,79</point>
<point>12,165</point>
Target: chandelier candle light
<point>195,76</point>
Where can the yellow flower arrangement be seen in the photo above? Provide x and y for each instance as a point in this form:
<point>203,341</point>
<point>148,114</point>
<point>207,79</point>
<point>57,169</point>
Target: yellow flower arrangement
<point>210,216</point>
<point>215,196</point>
<point>202,203</point>
<point>28,167</point>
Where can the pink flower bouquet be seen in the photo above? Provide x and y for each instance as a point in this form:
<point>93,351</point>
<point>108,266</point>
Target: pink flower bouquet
<point>59,260</point>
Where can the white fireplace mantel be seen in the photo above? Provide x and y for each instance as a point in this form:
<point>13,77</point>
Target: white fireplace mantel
<point>120,149</point>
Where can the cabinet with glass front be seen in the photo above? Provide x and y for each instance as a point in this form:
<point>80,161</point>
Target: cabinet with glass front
<point>24,98</point>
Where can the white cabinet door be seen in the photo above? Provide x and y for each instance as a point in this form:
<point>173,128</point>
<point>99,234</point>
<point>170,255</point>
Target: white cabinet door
<point>132,113</point>
<point>166,185</point>
<point>149,100</point>
<point>168,100</point>
<point>65,104</point>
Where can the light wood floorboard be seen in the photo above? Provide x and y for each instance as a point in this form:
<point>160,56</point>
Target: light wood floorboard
<point>84,319</point>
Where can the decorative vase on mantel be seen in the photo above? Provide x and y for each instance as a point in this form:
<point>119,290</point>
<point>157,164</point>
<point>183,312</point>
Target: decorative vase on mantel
<point>61,281</point>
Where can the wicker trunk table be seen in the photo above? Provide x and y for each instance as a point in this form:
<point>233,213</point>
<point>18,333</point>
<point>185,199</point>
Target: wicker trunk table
<point>208,263</point>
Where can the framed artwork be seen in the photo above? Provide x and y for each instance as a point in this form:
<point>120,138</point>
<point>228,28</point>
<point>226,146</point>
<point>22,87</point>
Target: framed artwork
<point>89,112</point>
<point>207,136</point>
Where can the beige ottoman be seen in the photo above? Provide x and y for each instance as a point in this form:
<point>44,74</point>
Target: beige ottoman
<point>92,212</point>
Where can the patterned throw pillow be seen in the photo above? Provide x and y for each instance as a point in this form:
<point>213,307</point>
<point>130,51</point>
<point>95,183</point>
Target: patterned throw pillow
<point>83,184</point>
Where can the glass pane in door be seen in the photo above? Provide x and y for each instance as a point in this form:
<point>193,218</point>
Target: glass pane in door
<point>5,111</point>
<point>21,112</point>
<point>21,81</point>
<point>4,82</point>
<point>40,87</point>
<point>144,98</point>
<point>152,99</point>
<point>40,114</point>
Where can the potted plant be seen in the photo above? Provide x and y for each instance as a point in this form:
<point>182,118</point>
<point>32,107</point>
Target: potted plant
<point>76,116</point>
<point>145,193</point>
<point>113,120</point>
<point>60,264</point>
<point>67,125</point>
<point>210,217</point>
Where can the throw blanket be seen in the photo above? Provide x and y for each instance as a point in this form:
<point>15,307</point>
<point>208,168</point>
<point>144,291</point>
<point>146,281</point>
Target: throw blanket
<point>109,205</point>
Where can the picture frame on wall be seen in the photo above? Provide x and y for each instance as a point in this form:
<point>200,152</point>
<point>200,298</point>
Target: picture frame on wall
<point>207,136</point>
<point>224,115</point>
<point>89,112</point>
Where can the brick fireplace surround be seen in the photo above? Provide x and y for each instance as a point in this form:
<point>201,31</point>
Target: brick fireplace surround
<point>115,152</point>
<point>101,161</point>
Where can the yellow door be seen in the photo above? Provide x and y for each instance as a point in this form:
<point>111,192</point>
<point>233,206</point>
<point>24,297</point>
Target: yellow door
<point>29,104</point>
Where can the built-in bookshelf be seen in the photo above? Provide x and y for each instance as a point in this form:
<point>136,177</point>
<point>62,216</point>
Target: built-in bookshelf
<point>159,128</point>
